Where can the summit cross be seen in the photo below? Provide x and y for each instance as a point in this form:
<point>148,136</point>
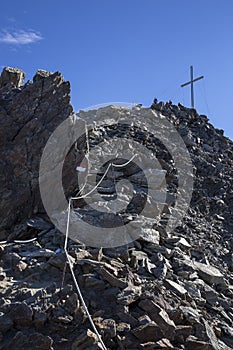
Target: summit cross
<point>191,82</point>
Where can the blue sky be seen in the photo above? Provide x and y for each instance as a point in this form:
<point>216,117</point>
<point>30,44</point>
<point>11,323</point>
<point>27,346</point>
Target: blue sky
<point>127,50</point>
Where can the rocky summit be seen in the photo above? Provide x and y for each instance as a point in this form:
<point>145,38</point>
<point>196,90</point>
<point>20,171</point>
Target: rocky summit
<point>161,289</point>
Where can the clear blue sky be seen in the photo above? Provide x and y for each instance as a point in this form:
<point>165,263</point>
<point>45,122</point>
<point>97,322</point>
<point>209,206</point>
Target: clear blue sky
<point>127,50</point>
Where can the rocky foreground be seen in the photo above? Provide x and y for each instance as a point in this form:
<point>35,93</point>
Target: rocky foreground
<point>162,291</point>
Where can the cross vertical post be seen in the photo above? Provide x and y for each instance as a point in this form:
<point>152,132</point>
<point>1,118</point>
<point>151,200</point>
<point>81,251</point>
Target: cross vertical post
<point>191,83</point>
<point>192,92</point>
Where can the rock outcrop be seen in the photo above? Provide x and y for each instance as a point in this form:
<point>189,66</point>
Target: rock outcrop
<point>28,115</point>
<point>161,291</point>
<point>12,78</point>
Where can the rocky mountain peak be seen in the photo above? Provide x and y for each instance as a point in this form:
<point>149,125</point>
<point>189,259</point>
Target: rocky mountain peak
<point>161,290</point>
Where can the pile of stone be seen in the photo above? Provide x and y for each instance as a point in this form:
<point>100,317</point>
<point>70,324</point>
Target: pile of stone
<point>161,291</point>
<point>148,296</point>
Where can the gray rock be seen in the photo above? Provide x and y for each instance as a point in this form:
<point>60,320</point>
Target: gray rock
<point>209,273</point>
<point>210,295</point>
<point>108,328</point>
<point>175,287</point>
<point>21,314</point>
<point>129,295</point>
<point>211,336</point>
<point>192,315</point>
<point>26,122</point>
<point>86,341</point>
<point>40,318</point>
<point>193,343</point>
<point>94,283</point>
<point>126,317</point>
<point>161,344</point>
<point>11,77</point>
<point>160,316</point>
<point>6,322</point>
<point>114,281</point>
<point>59,260</point>
<point>193,289</point>
<point>38,341</point>
<point>123,327</point>
<point>149,331</point>
<point>182,332</point>
<point>39,253</point>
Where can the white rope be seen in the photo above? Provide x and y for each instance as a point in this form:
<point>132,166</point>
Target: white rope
<point>87,140</point>
<point>66,243</point>
<point>87,194</point>
<point>67,225</point>
<point>76,282</point>
<point>103,347</point>
<point>83,302</point>
<point>19,241</point>
<point>105,173</point>
<point>125,164</point>
<point>67,235</point>
<point>4,242</point>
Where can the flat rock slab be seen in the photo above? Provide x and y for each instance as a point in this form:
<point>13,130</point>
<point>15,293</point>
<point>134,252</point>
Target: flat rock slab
<point>175,287</point>
<point>209,273</point>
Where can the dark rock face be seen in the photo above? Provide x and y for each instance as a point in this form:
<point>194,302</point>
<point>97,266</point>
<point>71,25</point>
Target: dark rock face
<point>28,115</point>
<point>11,78</point>
<point>162,291</point>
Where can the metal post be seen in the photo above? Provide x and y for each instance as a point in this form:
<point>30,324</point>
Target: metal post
<point>192,91</point>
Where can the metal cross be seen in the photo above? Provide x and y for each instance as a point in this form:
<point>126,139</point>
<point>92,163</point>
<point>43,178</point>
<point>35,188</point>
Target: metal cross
<point>191,82</point>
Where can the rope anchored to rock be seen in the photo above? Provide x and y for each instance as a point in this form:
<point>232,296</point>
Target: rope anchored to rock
<point>66,243</point>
